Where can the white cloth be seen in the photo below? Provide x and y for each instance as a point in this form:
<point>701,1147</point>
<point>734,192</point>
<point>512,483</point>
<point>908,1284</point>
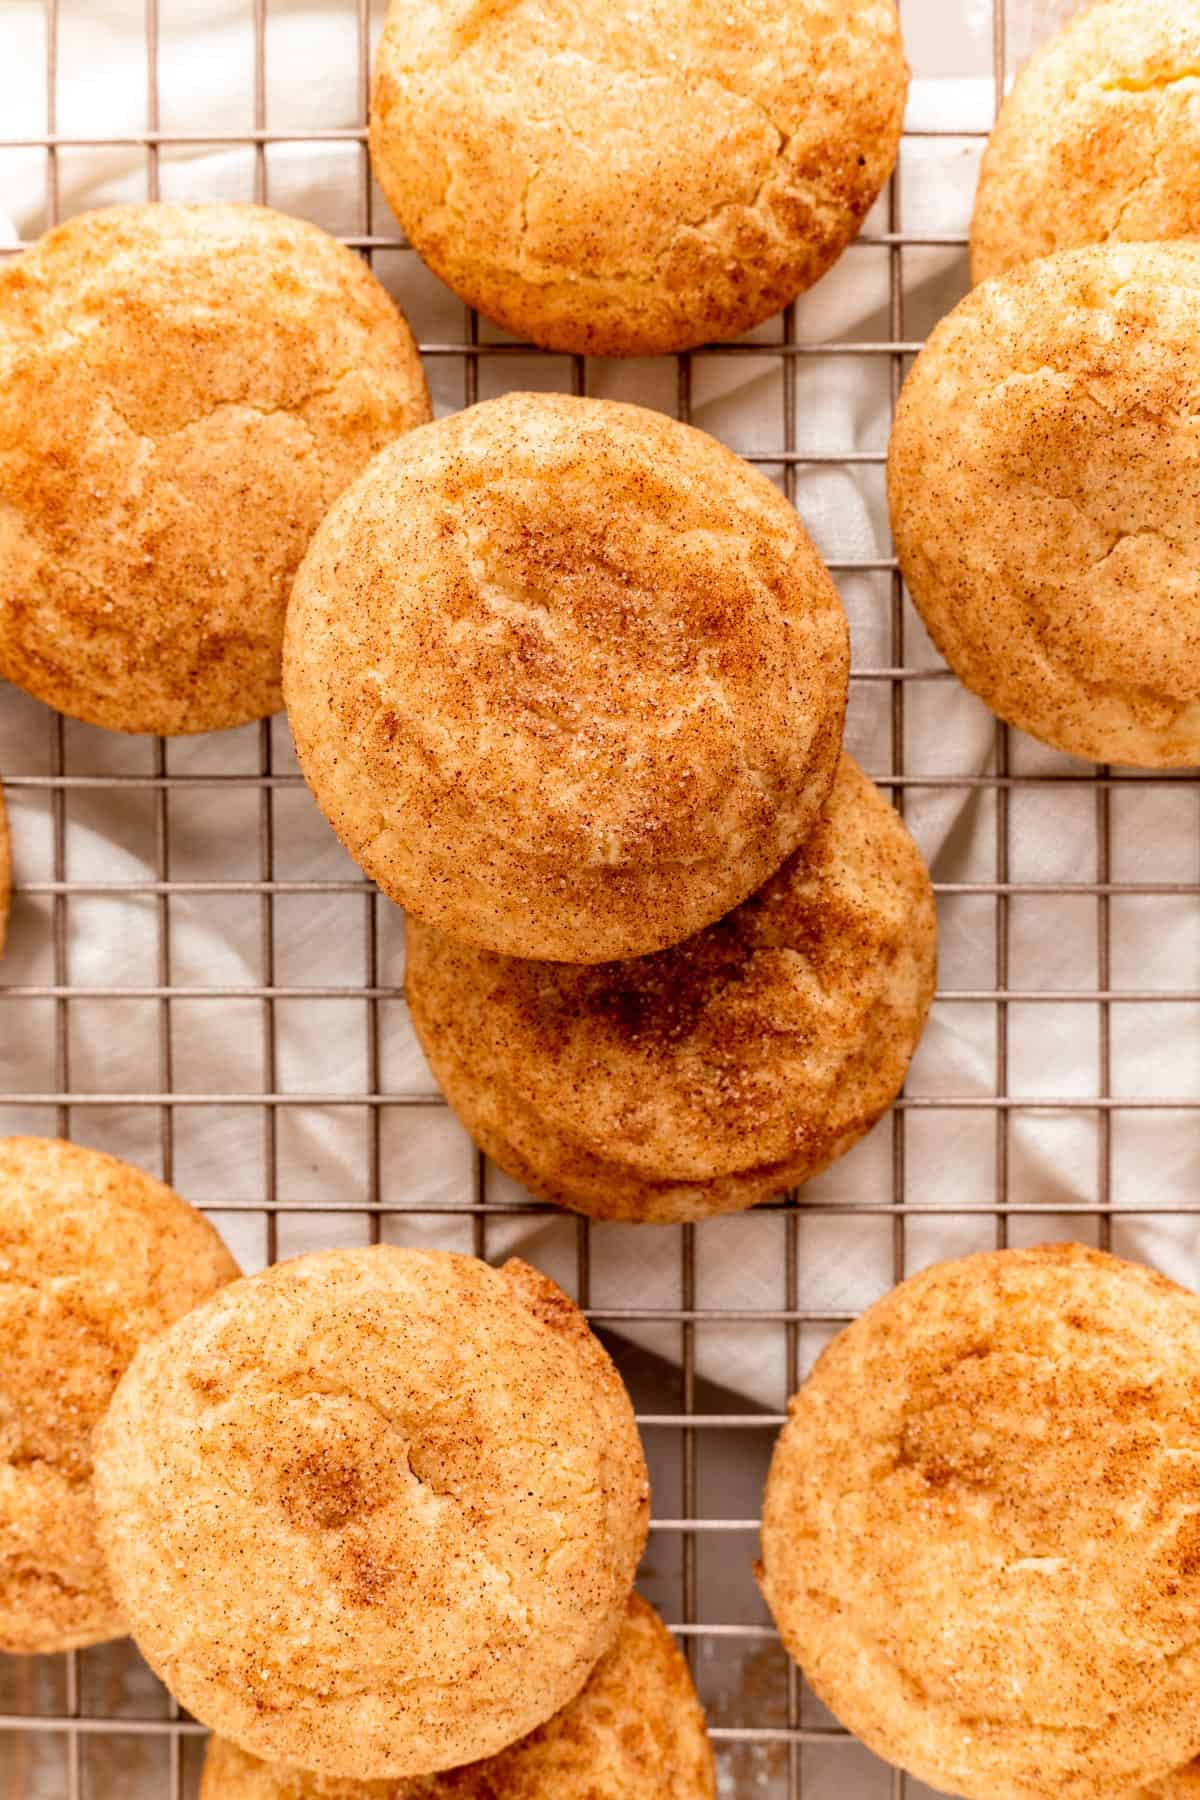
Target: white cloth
<point>843,403</point>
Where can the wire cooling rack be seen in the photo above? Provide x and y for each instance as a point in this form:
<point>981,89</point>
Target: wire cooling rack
<point>96,1723</point>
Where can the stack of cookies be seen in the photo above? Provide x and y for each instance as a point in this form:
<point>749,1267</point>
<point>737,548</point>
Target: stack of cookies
<point>569,679</point>
<point>372,1515</point>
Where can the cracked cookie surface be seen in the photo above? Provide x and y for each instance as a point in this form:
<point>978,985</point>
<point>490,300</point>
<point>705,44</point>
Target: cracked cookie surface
<point>981,1533</point>
<point>374,1512</point>
<point>184,390</point>
<point>1099,139</point>
<point>1044,483</point>
<point>96,1258</point>
<point>713,1074</point>
<point>566,676</point>
<point>621,177</point>
<point>635,1732</point>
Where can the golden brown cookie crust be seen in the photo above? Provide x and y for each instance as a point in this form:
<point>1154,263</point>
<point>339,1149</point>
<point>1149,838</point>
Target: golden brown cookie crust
<point>566,676</point>
<point>716,1073</point>
<point>1183,1784</point>
<point>1098,140</point>
<point>95,1258</point>
<point>374,1512</point>
<point>632,177</point>
<point>1044,480</point>
<point>184,390</point>
<point>635,1732</point>
<point>981,1534</point>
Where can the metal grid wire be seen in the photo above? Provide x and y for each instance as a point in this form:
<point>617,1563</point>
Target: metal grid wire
<point>763,1744</point>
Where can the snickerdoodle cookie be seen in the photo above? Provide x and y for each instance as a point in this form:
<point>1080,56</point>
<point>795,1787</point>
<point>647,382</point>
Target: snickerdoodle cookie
<point>1044,478</point>
<point>374,1512</point>
<point>635,1732</point>
<point>981,1535</point>
<point>183,392</point>
<point>1099,139</point>
<point>626,177</point>
<point>715,1073</point>
<point>96,1258</point>
<point>567,677</point>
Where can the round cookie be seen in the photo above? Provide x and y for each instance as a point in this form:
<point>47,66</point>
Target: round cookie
<point>96,1258</point>
<point>567,677</point>
<point>374,1512</point>
<point>981,1534</point>
<point>1044,480</point>
<point>632,177</point>
<point>713,1074</point>
<point>1098,140</point>
<point>184,390</point>
<point>635,1732</point>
